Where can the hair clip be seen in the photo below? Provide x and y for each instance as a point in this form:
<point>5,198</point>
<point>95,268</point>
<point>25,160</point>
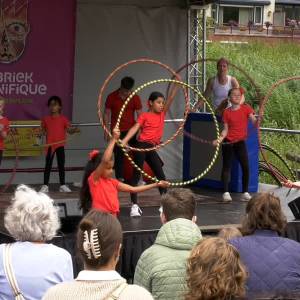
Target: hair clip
<point>91,244</point>
<point>93,154</point>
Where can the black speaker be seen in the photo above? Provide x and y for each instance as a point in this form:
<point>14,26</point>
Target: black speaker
<point>295,208</point>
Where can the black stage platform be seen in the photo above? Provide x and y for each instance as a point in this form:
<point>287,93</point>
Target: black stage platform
<point>140,233</point>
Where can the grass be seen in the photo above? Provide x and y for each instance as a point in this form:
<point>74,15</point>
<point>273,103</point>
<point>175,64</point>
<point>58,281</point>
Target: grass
<point>266,64</point>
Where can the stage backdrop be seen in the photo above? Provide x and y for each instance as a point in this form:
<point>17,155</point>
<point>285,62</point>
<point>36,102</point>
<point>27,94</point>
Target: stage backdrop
<point>36,55</point>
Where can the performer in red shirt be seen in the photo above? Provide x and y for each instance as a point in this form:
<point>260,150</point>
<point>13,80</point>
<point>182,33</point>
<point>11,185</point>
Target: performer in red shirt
<point>55,126</point>
<point>113,105</point>
<point>234,134</point>
<point>151,126</point>
<point>99,190</point>
<point>4,127</point>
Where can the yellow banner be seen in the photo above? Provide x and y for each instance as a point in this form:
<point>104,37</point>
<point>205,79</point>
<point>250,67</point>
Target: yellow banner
<point>27,140</point>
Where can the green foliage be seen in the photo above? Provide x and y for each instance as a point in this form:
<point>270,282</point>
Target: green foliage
<point>266,64</point>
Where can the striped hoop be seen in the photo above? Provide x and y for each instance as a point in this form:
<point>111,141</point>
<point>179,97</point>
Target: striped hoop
<point>198,177</point>
<point>283,180</point>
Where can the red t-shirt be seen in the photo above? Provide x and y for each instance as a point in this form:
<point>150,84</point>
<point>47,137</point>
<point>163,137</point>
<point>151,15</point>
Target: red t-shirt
<point>5,122</point>
<point>104,194</point>
<point>56,128</point>
<point>114,103</point>
<point>237,121</point>
<point>152,127</point>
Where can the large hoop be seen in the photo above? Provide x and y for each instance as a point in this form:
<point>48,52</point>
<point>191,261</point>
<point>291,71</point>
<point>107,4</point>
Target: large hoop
<point>156,147</point>
<point>112,74</point>
<point>261,113</point>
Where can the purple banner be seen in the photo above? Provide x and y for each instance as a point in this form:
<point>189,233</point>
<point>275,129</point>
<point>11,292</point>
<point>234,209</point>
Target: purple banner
<point>36,55</point>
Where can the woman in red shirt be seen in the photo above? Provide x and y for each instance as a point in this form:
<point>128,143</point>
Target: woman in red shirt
<point>234,134</point>
<point>151,126</point>
<point>99,190</point>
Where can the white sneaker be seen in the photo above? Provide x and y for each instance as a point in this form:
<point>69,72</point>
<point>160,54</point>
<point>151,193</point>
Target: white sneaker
<point>44,189</point>
<point>64,189</point>
<point>226,197</point>
<point>135,211</point>
<point>246,197</point>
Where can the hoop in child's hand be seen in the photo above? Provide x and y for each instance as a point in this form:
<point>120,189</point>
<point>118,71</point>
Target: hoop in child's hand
<point>281,178</point>
<point>198,177</point>
<point>112,74</point>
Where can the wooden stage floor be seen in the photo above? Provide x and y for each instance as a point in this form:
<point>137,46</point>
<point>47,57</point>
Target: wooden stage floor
<point>211,212</point>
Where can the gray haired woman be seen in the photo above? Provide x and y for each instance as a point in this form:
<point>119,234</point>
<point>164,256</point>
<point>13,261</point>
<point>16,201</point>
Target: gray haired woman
<point>29,266</point>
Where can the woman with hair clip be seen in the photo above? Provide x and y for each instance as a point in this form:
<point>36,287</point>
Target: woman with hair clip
<point>99,242</point>
<point>273,262</point>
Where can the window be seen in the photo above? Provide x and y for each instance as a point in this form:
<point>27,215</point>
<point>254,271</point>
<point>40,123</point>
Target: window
<point>258,15</point>
<point>230,14</point>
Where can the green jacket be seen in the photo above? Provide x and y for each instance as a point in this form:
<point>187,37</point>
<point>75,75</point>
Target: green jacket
<point>161,269</point>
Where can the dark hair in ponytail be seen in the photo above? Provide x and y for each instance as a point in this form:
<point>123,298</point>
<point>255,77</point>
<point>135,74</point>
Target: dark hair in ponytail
<point>109,237</point>
<point>85,199</point>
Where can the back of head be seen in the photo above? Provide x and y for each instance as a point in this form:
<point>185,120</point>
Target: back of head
<point>263,211</point>
<point>215,271</point>
<point>31,216</point>
<point>99,238</point>
<point>179,203</point>
<point>229,233</point>
<point>127,83</point>
<point>85,201</point>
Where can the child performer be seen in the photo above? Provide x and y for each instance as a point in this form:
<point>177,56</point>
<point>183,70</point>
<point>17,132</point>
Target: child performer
<point>234,134</point>
<point>99,190</point>
<point>4,127</point>
<point>55,126</point>
<point>151,126</point>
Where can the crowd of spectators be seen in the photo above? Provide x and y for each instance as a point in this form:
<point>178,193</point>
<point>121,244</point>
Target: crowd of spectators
<point>251,262</point>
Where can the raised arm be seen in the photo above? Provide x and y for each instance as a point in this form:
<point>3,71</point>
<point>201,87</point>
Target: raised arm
<point>173,89</point>
<point>132,131</point>
<point>107,155</point>
<point>234,82</point>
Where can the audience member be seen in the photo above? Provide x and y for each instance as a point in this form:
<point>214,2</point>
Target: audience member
<point>215,271</point>
<point>32,220</point>
<point>162,268</point>
<point>273,262</point>
<point>228,233</point>
<point>99,242</point>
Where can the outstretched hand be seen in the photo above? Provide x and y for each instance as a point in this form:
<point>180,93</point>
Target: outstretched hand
<point>163,183</point>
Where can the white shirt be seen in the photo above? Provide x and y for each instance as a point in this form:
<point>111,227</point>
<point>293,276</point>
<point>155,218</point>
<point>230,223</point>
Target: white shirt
<point>220,91</point>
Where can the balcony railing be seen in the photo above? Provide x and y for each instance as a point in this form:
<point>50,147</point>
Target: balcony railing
<point>255,30</point>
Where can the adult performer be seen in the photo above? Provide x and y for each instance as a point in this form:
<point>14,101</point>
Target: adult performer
<point>217,87</point>
<point>113,105</point>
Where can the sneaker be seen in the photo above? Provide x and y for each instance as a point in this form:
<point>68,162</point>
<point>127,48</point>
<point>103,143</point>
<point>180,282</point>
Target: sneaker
<point>64,189</point>
<point>226,197</point>
<point>44,189</point>
<point>135,211</point>
<point>246,197</point>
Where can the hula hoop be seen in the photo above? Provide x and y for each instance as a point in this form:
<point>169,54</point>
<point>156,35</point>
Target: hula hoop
<point>198,177</point>
<point>261,112</point>
<point>194,109</point>
<point>111,75</point>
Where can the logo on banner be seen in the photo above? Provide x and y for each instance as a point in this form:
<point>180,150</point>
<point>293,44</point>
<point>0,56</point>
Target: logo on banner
<point>14,28</point>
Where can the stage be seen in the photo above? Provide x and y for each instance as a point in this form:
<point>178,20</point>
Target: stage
<point>140,233</point>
